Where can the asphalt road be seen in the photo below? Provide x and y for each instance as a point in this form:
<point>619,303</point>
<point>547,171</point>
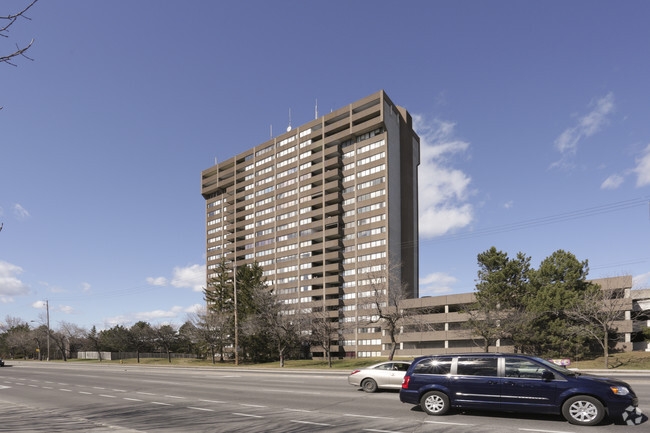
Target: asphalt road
<point>53,397</point>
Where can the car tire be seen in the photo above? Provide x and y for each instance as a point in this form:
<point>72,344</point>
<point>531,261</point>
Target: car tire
<point>583,410</point>
<point>369,385</point>
<point>435,403</point>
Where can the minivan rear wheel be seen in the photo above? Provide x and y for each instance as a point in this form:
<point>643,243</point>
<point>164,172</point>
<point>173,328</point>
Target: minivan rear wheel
<point>583,410</point>
<point>435,403</point>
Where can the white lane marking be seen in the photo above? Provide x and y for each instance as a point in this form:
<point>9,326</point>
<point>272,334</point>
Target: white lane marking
<point>212,401</point>
<point>381,431</point>
<point>200,408</point>
<point>543,431</point>
<point>251,405</point>
<point>132,399</point>
<point>161,404</point>
<point>145,393</point>
<point>47,387</point>
<point>119,390</point>
<point>106,395</point>
<point>64,384</point>
<point>65,390</point>
<point>297,410</point>
<point>366,416</point>
<point>247,414</point>
<point>47,381</point>
<point>98,387</point>
<point>448,423</point>
<point>289,391</point>
<point>4,387</point>
<point>33,386</point>
<point>310,423</point>
<point>174,396</point>
<point>18,383</point>
<point>86,393</point>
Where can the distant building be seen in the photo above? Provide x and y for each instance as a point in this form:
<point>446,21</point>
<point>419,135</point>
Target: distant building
<point>321,207</point>
<point>443,322</point>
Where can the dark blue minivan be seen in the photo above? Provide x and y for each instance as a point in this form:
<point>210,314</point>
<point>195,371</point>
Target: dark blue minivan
<point>514,383</point>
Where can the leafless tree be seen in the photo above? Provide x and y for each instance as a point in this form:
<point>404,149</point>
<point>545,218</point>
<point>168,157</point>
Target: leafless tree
<point>68,338</point>
<point>212,329</point>
<point>596,315</point>
<point>6,23</point>
<point>322,330</point>
<point>39,335</point>
<point>387,294</point>
<point>281,326</point>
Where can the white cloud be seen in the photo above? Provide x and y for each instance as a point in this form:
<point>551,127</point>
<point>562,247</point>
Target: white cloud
<point>509,204</point>
<point>85,287</point>
<point>436,283</point>
<point>192,276</point>
<point>588,125</point>
<point>443,190</point>
<point>642,168</point>
<point>160,281</point>
<point>10,284</point>
<point>174,312</point>
<point>641,281</point>
<point>65,309</point>
<point>20,212</point>
<point>39,305</point>
<point>612,182</point>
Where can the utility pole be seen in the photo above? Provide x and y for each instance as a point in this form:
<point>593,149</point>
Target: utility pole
<point>236,323</point>
<point>47,308</point>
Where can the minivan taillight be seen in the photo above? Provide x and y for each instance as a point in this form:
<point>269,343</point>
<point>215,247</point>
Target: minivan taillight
<point>405,382</point>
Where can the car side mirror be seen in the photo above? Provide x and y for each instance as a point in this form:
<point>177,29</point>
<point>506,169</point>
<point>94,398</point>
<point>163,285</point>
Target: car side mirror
<point>547,376</point>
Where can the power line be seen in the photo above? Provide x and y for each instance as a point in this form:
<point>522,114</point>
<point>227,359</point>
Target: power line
<point>537,222</point>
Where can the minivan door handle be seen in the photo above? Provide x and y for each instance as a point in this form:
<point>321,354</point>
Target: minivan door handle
<point>492,382</point>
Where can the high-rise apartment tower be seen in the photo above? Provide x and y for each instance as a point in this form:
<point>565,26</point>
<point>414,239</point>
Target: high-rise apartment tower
<point>320,208</point>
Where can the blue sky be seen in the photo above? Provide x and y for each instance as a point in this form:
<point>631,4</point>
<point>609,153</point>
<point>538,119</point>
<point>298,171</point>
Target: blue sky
<point>534,119</point>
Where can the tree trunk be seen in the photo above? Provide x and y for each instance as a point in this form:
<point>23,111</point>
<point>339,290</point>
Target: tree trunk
<point>169,356</point>
<point>606,347</point>
<point>329,358</point>
<point>138,352</point>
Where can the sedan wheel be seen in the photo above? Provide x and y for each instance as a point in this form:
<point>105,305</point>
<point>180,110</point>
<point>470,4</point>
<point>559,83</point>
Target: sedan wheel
<point>369,385</point>
<point>435,403</point>
<point>583,410</point>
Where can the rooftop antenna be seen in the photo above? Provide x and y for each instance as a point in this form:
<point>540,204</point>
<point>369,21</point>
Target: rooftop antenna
<point>271,128</point>
<point>289,127</point>
<point>316,110</point>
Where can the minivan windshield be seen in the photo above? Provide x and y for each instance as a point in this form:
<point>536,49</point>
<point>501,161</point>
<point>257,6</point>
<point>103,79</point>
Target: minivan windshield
<point>558,368</point>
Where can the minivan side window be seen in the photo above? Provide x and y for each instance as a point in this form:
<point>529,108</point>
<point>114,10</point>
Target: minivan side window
<point>477,366</point>
<point>523,368</point>
<point>433,366</point>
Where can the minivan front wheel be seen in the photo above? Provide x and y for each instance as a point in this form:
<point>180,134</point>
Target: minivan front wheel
<point>435,403</point>
<point>583,410</point>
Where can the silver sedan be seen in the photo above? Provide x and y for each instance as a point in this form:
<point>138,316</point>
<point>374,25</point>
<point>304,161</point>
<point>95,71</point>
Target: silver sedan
<point>385,375</point>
